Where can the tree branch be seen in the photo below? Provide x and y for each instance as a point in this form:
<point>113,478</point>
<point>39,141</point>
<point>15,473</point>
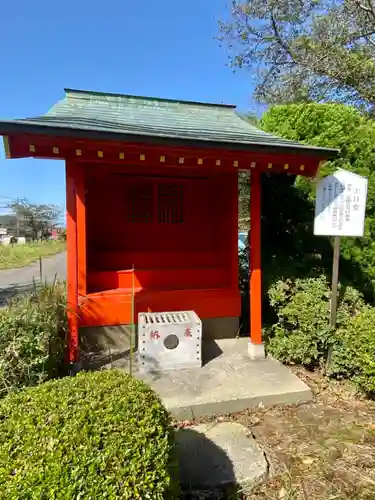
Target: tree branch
<point>369,9</point>
<point>281,42</point>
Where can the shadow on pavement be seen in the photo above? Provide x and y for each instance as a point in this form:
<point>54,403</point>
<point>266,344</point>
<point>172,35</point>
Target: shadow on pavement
<point>14,290</point>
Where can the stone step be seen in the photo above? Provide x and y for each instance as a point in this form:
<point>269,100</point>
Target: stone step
<point>217,455</point>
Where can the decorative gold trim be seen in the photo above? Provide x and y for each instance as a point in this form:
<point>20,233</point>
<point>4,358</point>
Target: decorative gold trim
<point>270,165</point>
<point>286,166</point>
<point>78,152</point>
<point>253,164</point>
<point>142,157</point>
<point>55,150</point>
<point>200,161</point>
<point>302,168</point>
<point>162,159</point>
<point>6,147</point>
<point>218,163</point>
<point>31,148</point>
<point>121,156</point>
<point>100,154</point>
<point>235,163</point>
<point>181,160</point>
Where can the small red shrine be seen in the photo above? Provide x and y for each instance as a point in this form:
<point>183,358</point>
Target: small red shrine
<point>152,204</point>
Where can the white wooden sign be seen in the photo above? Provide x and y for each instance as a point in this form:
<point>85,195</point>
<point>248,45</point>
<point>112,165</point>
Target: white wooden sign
<point>340,205</point>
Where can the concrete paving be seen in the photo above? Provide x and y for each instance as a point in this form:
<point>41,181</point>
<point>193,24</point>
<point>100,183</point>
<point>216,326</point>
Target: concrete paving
<point>228,382</point>
<point>21,280</point>
<point>216,455</point>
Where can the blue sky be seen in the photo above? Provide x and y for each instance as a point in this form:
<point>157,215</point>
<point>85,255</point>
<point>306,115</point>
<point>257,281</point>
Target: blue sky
<point>163,49</point>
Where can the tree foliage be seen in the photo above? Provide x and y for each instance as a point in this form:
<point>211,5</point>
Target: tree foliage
<point>34,220</point>
<point>343,127</point>
<point>289,248</point>
<point>305,50</point>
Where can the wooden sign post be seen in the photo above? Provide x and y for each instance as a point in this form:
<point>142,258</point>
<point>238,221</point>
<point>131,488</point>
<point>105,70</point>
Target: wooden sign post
<point>335,280</point>
<point>340,211</point>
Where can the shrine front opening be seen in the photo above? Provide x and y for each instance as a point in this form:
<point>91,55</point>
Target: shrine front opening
<point>166,236</point>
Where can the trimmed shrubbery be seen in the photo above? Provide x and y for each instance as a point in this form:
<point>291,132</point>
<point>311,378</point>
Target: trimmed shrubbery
<point>96,435</point>
<point>302,334</point>
<point>32,338</point>
<point>354,353</point>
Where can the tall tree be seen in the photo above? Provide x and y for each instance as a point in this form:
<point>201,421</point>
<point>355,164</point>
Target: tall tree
<point>305,50</point>
<point>34,220</point>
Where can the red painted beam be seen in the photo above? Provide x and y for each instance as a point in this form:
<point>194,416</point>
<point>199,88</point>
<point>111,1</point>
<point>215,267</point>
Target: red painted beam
<point>125,154</point>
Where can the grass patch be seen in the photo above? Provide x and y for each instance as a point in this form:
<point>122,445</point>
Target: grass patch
<point>32,338</point>
<point>22,255</point>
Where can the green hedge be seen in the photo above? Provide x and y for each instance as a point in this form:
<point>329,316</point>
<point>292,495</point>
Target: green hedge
<point>302,334</point>
<point>93,436</point>
<point>32,338</point>
<point>354,353</point>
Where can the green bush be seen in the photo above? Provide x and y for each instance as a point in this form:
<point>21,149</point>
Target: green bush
<point>302,334</point>
<point>32,338</point>
<point>93,436</point>
<point>354,353</point>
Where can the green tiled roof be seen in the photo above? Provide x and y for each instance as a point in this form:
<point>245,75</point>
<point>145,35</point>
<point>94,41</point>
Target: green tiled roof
<point>143,118</point>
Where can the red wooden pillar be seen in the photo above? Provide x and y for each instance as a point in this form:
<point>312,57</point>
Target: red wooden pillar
<point>72,260</point>
<point>256,349</point>
<point>81,230</point>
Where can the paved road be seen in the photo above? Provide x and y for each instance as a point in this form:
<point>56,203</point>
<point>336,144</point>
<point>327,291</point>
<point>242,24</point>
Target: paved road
<point>21,280</point>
